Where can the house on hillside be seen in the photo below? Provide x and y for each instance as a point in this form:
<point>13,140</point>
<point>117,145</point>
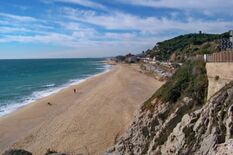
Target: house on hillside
<point>119,58</point>
<point>129,55</point>
<point>141,55</point>
<point>131,59</point>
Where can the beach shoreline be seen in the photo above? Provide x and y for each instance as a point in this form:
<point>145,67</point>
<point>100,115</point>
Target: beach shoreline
<point>50,91</point>
<point>88,121</point>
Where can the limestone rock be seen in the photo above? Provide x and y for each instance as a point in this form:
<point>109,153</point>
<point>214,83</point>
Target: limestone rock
<point>181,128</point>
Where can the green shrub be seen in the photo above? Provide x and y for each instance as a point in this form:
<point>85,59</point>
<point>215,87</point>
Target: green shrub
<point>186,45</point>
<point>190,80</point>
<point>216,78</point>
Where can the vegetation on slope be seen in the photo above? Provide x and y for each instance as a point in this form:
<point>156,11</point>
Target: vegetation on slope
<point>190,80</point>
<point>186,45</point>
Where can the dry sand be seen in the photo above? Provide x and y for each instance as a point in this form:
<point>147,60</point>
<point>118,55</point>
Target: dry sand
<point>87,122</point>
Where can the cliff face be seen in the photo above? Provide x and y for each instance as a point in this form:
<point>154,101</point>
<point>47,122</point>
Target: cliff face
<point>181,127</point>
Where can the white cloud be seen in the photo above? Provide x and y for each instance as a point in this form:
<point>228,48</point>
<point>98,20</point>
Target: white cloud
<point>6,29</point>
<point>49,38</point>
<point>105,49</point>
<point>94,32</point>
<point>86,3</point>
<point>121,36</point>
<point>18,18</point>
<point>183,4</point>
<point>209,8</point>
<point>146,25</point>
<point>20,25</point>
<point>143,31</point>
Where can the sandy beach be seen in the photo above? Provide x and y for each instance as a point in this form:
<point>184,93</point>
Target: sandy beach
<point>86,122</point>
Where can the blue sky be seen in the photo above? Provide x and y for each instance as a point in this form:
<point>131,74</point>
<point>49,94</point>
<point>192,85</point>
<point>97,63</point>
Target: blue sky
<point>99,28</point>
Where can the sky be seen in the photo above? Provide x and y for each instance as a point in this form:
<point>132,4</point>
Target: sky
<point>102,28</point>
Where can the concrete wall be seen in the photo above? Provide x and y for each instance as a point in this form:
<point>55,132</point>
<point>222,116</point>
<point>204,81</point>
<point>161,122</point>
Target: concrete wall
<point>223,70</point>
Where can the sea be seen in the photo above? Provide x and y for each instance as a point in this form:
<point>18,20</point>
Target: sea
<point>25,81</point>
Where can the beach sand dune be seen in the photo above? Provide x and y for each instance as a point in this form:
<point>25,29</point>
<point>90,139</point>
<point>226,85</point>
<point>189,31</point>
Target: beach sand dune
<point>86,122</point>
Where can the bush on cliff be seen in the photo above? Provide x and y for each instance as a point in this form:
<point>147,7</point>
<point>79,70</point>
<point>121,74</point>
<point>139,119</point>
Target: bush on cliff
<point>190,80</point>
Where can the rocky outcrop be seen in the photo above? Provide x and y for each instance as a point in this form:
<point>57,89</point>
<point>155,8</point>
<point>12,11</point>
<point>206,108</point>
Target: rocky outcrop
<point>182,127</point>
<point>160,71</point>
<point>223,149</point>
<point>17,152</point>
<point>24,152</point>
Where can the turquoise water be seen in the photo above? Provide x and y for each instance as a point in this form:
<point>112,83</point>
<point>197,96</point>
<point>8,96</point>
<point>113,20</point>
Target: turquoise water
<point>24,81</point>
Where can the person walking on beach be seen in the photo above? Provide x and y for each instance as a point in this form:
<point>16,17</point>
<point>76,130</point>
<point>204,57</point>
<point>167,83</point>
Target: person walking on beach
<point>75,91</point>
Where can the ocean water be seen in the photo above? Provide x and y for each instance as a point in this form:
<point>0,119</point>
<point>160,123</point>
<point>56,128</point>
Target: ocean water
<point>24,81</point>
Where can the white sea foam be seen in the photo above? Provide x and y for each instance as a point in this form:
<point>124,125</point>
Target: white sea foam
<point>50,85</point>
<point>51,89</point>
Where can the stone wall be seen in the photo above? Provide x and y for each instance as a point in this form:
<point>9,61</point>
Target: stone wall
<point>219,74</point>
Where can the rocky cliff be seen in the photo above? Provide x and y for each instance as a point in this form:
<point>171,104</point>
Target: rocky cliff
<point>183,126</point>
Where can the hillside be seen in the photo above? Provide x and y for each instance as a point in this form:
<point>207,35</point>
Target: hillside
<point>186,45</point>
<point>178,120</point>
